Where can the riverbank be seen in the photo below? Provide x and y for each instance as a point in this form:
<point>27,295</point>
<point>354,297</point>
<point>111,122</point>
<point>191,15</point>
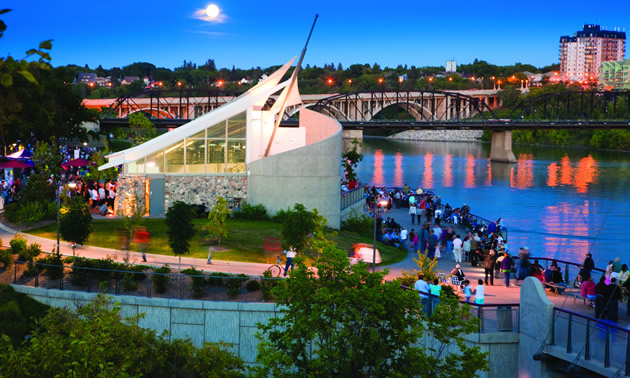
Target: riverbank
<point>439,135</point>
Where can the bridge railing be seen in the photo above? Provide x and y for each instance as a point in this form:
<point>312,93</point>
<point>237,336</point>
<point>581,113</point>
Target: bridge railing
<point>349,198</point>
<point>592,339</point>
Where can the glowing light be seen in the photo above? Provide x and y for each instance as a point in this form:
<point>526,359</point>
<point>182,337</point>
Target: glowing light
<point>377,177</point>
<point>380,80</point>
<point>330,81</point>
<point>349,81</point>
<point>212,11</point>
<point>220,82</point>
<point>179,83</point>
<point>450,79</point>
<point>430,79</point>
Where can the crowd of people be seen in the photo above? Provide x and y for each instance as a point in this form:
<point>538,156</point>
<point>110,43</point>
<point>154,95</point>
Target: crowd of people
<point>101,196</point>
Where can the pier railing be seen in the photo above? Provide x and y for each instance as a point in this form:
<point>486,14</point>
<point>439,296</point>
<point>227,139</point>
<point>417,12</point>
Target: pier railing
<point>351,197</point>
<point>592,339</point>
<point>570,270</point>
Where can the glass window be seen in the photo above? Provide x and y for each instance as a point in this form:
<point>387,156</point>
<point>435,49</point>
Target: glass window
<point>195,156</point>
<point>236,156</point>
<point>217,131</point>
<point>140,166</point>
<point>200,135</point>
<point>155,162</point>
<point>216,156</point>
<point>237,126</point>
<point>131,168</point>
<point>175,158</point>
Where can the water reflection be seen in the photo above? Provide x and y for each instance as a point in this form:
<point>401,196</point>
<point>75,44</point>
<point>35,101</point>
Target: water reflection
<point>567,221</point>
<point>398,170</point>
<point>524,177</point>
<point>427,175</point>
<point>377,177</point>
<point>552,172</point>
<point>448,171</point>
<point>469,182</point>
<point>586,173</point>
<point>566,171</point>
<point>489,174</point>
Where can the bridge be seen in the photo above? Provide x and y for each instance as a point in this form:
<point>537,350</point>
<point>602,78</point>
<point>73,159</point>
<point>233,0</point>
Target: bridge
<point>425,109</point>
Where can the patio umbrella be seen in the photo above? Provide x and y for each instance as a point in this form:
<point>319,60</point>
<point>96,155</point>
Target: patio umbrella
<point>24,153</point>
<point>16,164</point>
<point>76,163</point>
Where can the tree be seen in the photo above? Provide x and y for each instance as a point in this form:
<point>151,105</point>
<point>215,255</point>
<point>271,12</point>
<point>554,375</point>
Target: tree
<point>132,214</point>
<point>96,341</point>
<point>47,159</point>
<point>297,226</point>
<point>510,95</point>
<point>141,128</point>
<point>341,320</point>
<point>76,220</point>
<point>216,220</point>
<point>351,158</point>
<point>97,159</point>
<point>180,228</point>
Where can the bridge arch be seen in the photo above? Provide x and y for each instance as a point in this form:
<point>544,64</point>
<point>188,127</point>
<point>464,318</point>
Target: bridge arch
<point>156,113</point>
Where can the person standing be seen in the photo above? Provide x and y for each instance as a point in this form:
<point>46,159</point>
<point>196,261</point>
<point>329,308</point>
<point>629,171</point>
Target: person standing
<point>404,235</point>
<point>506,268</point>
<point>614,295</point>
<point>415,241</point>
<point>488,266</point>
<point>412,212</point>
<point>616,269</point>
<point>436,290</point>
<point>480,291</point>
<point>601,292</point>
<point>423,288</point>
<point>431,244</point>
<point>290,256</point>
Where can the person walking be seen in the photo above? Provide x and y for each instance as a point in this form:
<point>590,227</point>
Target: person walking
<point>404,235</point>
<point>457,249</point>
<point>506,268</point>
<point>412,212</point>
<point>290,256</point>
<point>479,292</point>
<point>488,266</point>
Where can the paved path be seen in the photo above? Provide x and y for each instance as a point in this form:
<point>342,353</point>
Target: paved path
<point>494,294</point>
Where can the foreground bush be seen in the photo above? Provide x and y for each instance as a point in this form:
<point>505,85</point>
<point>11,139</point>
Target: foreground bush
<point>18,314</point>
<point>95,341</point>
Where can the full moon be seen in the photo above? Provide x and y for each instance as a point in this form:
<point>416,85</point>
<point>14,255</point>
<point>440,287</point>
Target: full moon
<point>212,11</point>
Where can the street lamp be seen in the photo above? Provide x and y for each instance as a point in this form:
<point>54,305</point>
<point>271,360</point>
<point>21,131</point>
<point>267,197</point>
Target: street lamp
<point>60,187</point>
<point>377,209</point>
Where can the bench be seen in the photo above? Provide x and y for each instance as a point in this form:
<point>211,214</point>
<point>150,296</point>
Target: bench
<point>578,295</point>
<point>557,288</point>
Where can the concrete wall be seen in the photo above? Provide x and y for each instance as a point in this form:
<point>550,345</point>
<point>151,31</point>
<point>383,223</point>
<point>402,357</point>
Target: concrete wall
<point>236,323</point>
<point>310,175</point>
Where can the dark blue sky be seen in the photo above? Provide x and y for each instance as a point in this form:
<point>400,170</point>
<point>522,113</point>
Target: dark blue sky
<point>264,33</point>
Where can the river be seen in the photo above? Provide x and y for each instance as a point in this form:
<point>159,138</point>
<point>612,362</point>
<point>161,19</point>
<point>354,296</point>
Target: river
<point>560,202</point>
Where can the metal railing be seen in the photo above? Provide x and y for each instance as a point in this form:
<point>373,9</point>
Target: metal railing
<point>592,339</point>
<point>214,286</point>
<point>351,197</point>
<point>501,317</point>
<point>570,270</point>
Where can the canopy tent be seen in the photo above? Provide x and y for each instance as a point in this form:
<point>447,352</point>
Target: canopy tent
<point>16,164</point>
<point>24,153</point>
<point>77,163</point>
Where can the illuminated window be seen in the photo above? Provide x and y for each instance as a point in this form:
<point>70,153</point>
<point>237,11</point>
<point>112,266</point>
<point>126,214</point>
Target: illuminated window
<point>175,158</point>
<point>216,156</point>
<point>155,162</point>
<point>195,155</point>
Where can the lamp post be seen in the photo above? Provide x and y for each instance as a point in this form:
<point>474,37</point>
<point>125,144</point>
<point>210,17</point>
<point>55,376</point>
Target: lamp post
<point>377,208</point>
<point>60,187</point>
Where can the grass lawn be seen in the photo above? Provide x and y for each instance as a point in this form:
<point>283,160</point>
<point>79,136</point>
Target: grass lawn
<point>245,240</point>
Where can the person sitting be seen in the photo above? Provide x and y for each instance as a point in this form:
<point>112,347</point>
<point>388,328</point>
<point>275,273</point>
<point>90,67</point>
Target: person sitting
<point>558,280</point>
<point>458,273</point>
<point>588,290</point>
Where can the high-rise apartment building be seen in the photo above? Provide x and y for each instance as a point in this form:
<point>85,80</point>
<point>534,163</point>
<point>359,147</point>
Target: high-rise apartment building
<point>582,54</point>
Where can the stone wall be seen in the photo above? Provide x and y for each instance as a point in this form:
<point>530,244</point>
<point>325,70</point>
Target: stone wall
<point>439,135</point>
<point>236,323</point>
<point>128,186</point>
<point>201,190</point>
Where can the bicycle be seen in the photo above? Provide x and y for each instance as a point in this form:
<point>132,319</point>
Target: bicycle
<point>276,270</point>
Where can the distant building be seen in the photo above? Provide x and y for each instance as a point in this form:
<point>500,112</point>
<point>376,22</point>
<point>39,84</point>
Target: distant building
<point>104,81</point>
<point>129,79</point>
<point>451,66</point>
<point>87,78</point>
<point>615,75</point>
<point>582,54</point>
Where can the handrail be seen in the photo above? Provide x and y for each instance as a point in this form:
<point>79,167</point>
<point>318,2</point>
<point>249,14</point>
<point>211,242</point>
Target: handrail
<point>589,318</point>
<point>351,197</point>
<point>564,262</point>
<point>463,302</point>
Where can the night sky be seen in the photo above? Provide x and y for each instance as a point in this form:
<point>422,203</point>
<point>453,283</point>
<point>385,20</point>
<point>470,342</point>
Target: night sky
<point>265,33</point>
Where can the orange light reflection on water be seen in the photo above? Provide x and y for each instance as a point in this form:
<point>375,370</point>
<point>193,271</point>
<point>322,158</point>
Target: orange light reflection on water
<point>566,171</point>
<point>489,174</point>
<point>524,177</point>
<point>398,171</point>
<point>586,173</point>
<point>469,182</point>
<point>448,171</point>
<point>427,175</point>
<point>552,170</point>
<point>377,176</point>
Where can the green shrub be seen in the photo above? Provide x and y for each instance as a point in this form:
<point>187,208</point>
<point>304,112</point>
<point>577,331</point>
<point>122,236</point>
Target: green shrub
<point>102,268</point>
<point>6,258</point>
<point>29,253</point>
<point>11,212</point>
<point>54,266</point>
<point>30,213</point>
<point>267,283</point>
<point>281,215</point>
<point>51,210</point>
<point>18,245</point>
<point>31,270</point>
<point>252,285</point>
<point>79,277</point>
<point>198,281</point>
<point>358,223</point>
<point>408,279</point>
<point>18,314</point>
<point>235,284</point>
<point>215,278</point>
<point>252,212</point>
<point>160,279</point>
<point>116,145</point>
